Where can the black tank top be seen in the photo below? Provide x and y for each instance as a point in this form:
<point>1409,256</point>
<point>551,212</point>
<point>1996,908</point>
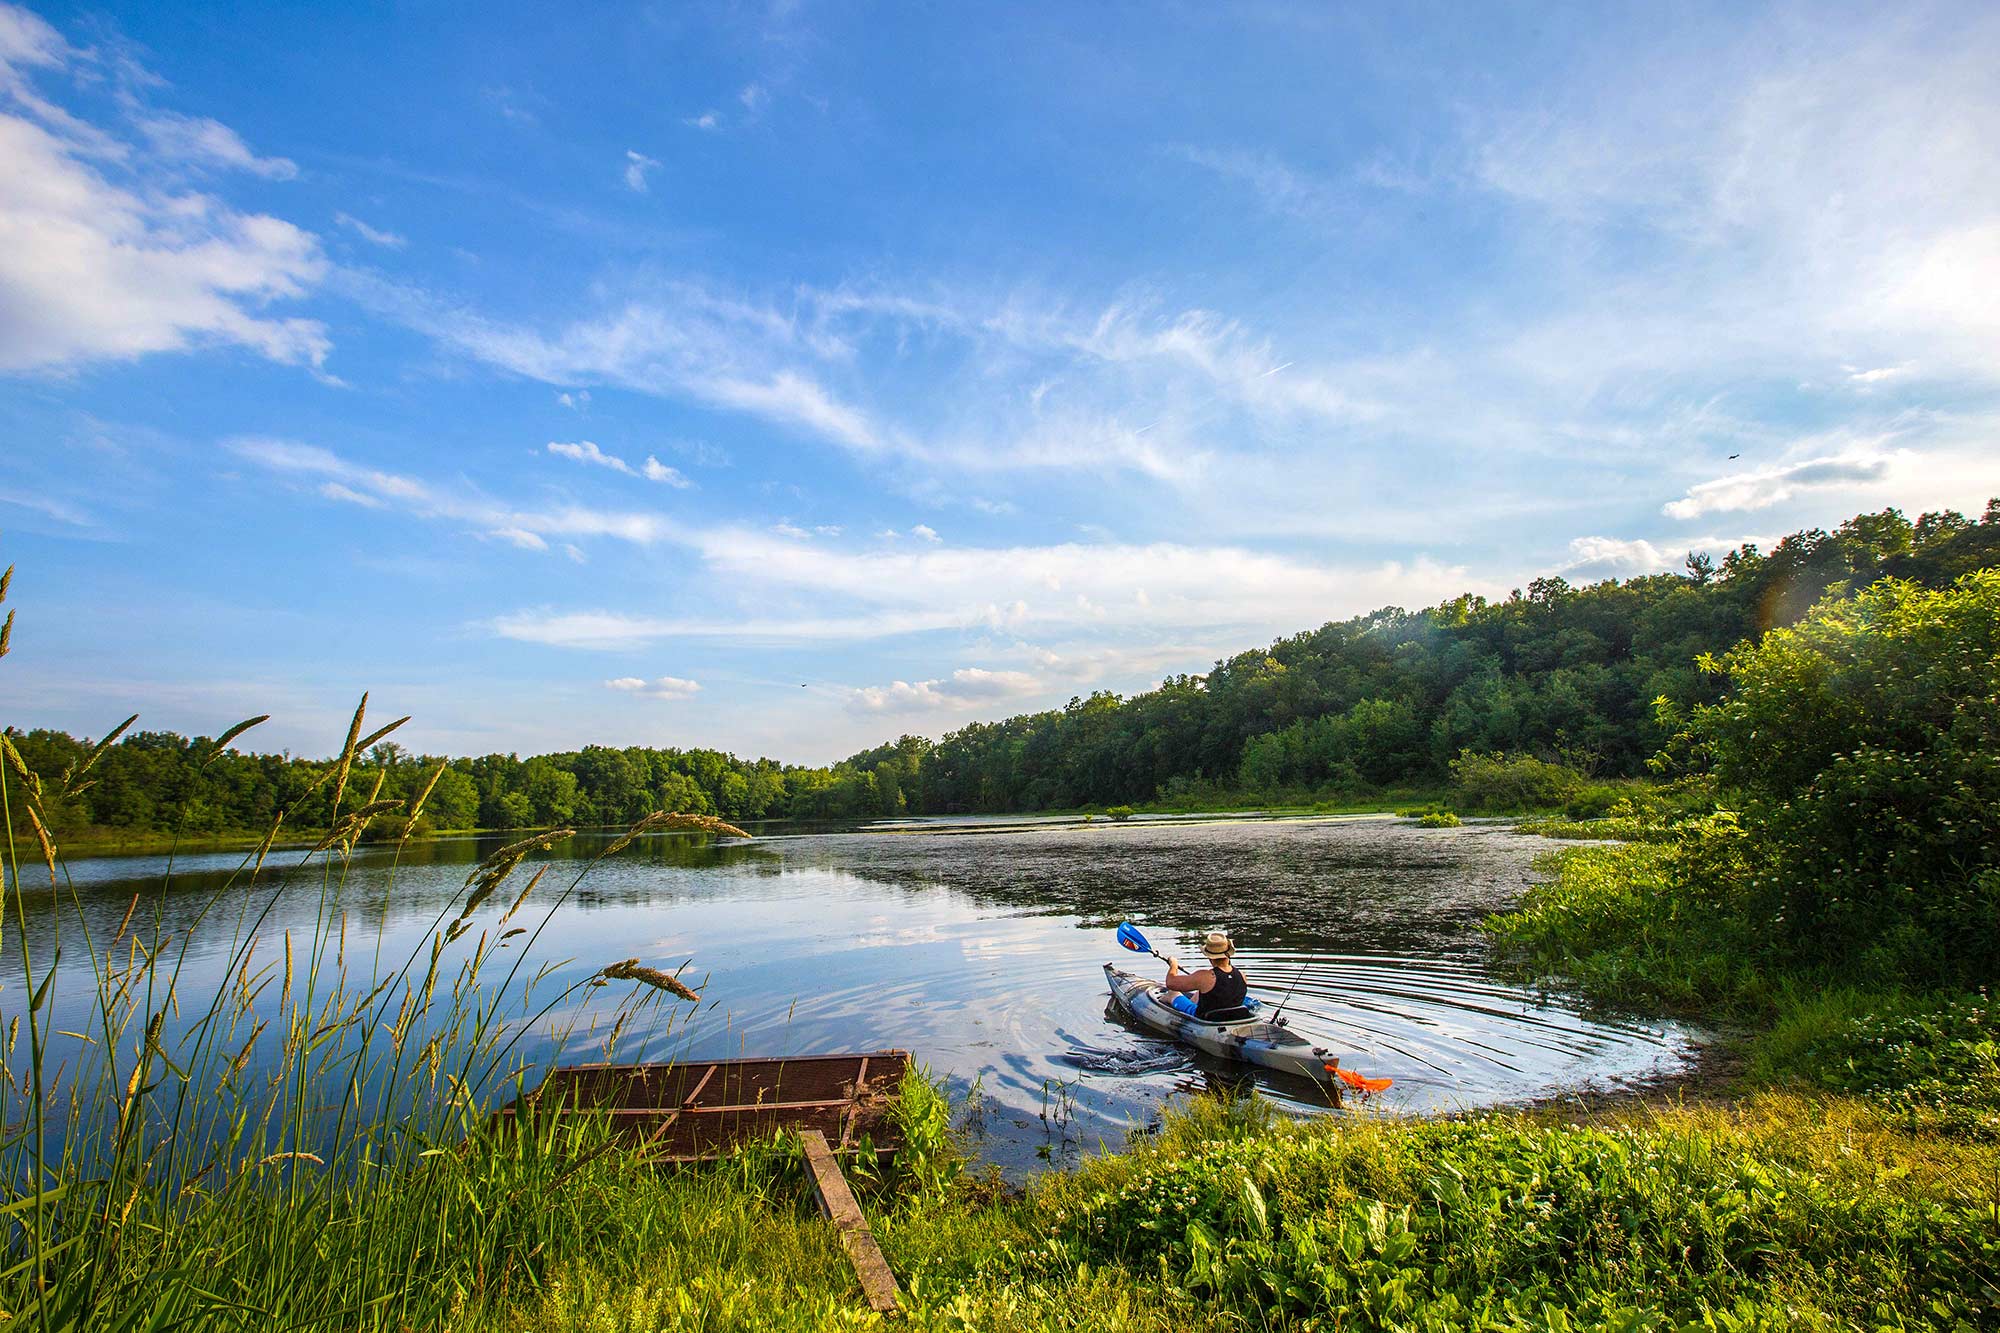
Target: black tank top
<point>1226,994</point>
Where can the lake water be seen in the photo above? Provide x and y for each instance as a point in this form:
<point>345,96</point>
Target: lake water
<point>978,945</point>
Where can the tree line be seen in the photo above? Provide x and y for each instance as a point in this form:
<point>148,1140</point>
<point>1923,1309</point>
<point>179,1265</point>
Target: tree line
<point>1383,701</point>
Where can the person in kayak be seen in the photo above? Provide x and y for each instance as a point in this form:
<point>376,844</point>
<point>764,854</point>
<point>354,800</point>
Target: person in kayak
<point>1215,993</point>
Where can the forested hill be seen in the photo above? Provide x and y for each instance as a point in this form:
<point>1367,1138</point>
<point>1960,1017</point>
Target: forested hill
<point>1383,700</point>
<point>1389,698</point>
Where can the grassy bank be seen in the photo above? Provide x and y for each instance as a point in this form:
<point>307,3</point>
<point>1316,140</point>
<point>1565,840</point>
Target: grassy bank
<point>1781,1213</point>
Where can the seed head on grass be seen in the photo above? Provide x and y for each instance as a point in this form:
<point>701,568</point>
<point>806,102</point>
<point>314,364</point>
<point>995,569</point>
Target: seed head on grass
<point>632,970</point>
<point>353,822</point>
<point>29,778</point>
<point>487,875</point>
<point>662,821</point>
<point>346,760</point>
<point>222,741</point>
<point>362,746</point>
<point>417,805</point>
<point>74,775</point>
<point>42,837</point>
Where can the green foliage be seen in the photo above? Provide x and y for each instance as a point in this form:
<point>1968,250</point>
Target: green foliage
<point>1931,1062</point>
<point>1658,924</point>
<point>1508,782</point>
<point>1438,819</point>
<point>930,1158</point>
<point>1119,812</point>
<point>1864,747</point>
<point>1507,1223</point>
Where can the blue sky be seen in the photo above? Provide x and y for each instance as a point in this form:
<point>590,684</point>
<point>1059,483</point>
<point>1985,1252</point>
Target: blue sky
<point>788,377</point>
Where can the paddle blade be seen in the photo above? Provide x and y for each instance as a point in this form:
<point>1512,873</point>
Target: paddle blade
<point>1360,1084</point>
<point>1129,936</point>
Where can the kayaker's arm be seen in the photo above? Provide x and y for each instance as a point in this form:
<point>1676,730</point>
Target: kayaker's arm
<point>1193,982</point>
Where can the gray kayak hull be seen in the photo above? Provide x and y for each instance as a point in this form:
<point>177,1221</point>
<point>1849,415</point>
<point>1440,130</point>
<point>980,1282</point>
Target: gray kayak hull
<point>1252,1040</point>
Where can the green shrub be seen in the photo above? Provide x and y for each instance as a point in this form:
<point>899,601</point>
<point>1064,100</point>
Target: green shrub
<point>1438,819</point>
<point>1932,1063</point>
<point>1646,923</point>
<point>1504,782</point>
<point>1119,812</point>
<point>1595,801</point>
<point>1862,745</point>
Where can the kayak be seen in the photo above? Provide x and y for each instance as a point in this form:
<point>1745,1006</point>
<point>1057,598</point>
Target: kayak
<point>1254,1040</point>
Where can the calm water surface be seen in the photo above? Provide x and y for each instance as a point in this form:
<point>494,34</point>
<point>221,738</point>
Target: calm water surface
<point>978,945</point>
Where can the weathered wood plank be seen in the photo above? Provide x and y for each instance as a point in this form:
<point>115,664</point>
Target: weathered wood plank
<point>878,1284</point>
<point>695,1096</point>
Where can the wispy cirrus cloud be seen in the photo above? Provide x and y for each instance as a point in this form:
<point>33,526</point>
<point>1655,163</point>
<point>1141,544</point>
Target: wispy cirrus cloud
<point>204,142</point>
<point>388,240</point>
<point>337,478</point>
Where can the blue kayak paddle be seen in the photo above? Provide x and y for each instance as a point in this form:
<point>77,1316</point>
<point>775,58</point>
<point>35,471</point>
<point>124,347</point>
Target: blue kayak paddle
<point>1129,936</point>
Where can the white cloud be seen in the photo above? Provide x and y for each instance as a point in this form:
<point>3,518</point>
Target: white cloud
<point>967,685</point>
<point>586,452</point>
<point>890,591</point>
<point>527,528</point>
<point>387,239</point>
<point>655,470</point>
<point>334,490</point>
<point>25,39</point>
<point>1592,558</point>
<point>90,271</point>
<point>753,97</point>
<point>1765,487</point>
<point>660,687</point>
<point>207,142</point>
<point>575,402</point>
<point>636,166</point>
<point>707,120</point>
<point>925,532</point>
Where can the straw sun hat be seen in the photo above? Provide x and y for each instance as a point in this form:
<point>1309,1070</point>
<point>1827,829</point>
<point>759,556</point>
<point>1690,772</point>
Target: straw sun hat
<point>1218,945</point>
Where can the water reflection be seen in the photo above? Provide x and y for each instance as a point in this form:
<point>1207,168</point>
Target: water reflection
<point>979,948</point>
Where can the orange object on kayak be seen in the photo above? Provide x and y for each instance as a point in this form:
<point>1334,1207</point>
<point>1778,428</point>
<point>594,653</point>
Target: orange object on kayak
<point>1358,1083</point>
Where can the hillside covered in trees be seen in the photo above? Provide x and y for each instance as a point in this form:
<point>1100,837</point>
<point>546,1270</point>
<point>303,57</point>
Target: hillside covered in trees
<point>1385,700</point>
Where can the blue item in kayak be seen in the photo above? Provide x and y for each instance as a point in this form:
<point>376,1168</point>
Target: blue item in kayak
<point>1184,1002</point>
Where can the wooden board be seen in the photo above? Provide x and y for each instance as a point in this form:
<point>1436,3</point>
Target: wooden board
<point>695,1110</point>
<point>878,1283</point>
